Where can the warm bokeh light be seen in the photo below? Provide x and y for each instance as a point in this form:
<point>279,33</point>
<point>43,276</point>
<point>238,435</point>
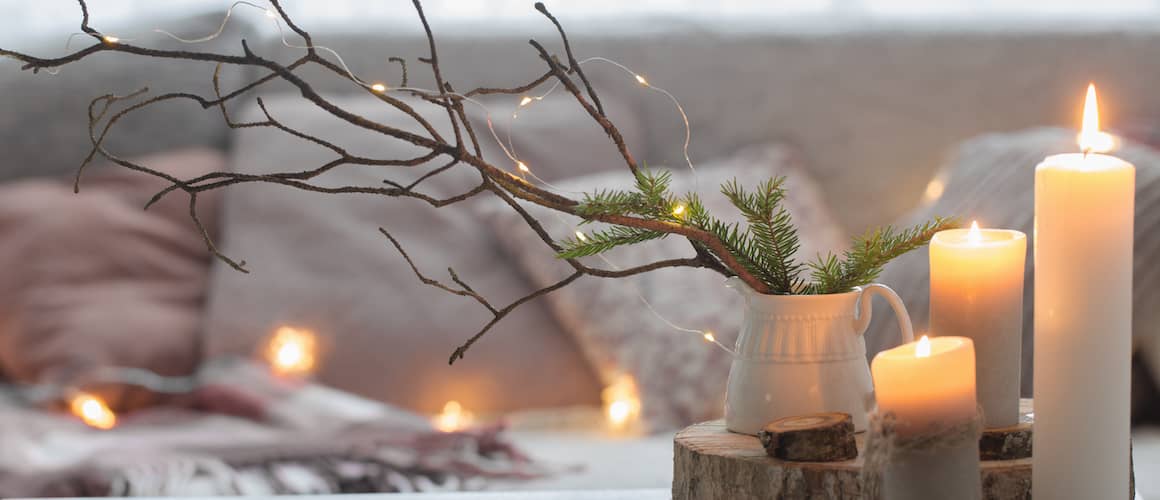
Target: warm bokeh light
<point>453,418</point>
<point>974,234</point>
<point>934,190</point>
<point>641,80</point>
<point>922,350</point>
<point>709,337</point>
<point>1091,139</point>
<point>292,351</point>
<point>523,167</point>
<point>379,87</point>
<point>621,402</point>
<point>93,411</point>
<point>678,210</point>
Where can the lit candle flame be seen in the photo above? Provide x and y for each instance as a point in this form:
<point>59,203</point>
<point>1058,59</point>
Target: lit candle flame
<point>974,235</point>
<point>453,417</point>
<point>922,350</point>
<point>621,403</point>
<point>292,351</point>
<point>1091,139</point>
<point>93,411</point>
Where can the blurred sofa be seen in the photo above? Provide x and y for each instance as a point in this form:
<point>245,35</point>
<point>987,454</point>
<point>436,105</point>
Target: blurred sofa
<point>872,108</point>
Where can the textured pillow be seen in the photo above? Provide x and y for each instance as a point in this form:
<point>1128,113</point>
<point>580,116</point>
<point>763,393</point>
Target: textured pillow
<point>318,261</point>
<point>93,280</point>
<point>992,179</point>
<point>680,377</point>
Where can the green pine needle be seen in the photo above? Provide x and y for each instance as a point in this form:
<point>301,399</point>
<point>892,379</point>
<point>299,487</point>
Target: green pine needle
<point>604,240</point>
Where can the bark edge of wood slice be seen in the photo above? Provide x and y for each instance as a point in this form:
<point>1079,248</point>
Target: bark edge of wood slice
<point>817,437</point>
<point>1006,443</point>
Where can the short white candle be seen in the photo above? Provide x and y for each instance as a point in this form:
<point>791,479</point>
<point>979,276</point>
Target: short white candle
<point>926,384</point>
<point>976,291</point>
<point>1084,206</point>
<point>929,387</point>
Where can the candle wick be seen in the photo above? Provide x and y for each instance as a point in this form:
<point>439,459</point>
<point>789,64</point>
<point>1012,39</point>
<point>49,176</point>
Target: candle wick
<point>1086,151</point>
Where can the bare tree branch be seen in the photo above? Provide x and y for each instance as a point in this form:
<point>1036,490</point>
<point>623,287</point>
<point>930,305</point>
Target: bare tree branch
<point>437,153</point>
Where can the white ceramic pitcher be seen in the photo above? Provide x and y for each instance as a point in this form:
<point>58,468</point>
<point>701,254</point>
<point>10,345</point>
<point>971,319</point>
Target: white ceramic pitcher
<point>800,354</point>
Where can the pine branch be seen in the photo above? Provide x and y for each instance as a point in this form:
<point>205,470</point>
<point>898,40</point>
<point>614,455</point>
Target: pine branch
<point>869,254</point>
<point>774,238</point>
<point>604,240</point>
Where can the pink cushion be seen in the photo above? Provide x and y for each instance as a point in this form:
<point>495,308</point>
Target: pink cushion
<point>92,279</point>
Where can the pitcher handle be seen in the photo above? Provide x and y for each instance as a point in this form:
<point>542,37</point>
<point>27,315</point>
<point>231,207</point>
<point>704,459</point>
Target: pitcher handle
<point>863,308</point>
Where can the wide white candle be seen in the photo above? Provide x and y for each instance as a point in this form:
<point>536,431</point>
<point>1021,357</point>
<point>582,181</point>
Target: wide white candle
<point>929,388</point>
<point>976,291</point>
<point>1083,317</point>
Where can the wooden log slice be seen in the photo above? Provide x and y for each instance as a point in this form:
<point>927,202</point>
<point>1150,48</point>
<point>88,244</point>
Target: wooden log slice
<point>1007,443</point>
<point>819,437</point>
<point>711,463</point>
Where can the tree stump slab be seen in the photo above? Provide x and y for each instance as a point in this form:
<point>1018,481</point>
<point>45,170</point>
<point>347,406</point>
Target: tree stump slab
<point>711,463</point>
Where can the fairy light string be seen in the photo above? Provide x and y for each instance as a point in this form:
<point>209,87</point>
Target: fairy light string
<point>87,405</point>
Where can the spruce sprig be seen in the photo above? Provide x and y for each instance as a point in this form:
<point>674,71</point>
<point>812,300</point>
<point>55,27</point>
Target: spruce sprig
<point>869,254</point>
<point>603,240</point>
<point>765,245</point>
<point>774,236</point>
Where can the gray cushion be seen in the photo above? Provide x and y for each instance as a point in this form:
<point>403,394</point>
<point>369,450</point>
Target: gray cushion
<point>992,179</point>
<point>319,262</point>
<point>44,126</point>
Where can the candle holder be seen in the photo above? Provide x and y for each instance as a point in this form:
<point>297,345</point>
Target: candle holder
<point>941,461</point>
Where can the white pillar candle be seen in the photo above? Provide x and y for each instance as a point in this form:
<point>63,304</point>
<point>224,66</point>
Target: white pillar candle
<point>929,387</point>
<point>976,291</point>
<point>1083,318</point>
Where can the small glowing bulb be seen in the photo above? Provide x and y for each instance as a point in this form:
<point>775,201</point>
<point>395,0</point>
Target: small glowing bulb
<point>974,235</point>
<point>453,417</point>
<point>270,13</point>
<point>678,210</point>
<point>110,39</point>
<point>291,352</point>
<point>525,101</point>
<point>580,236</point>
<point>379,87</point>
<point>641,80</point>
<point>93,411</point>
<point>709,337</point>
<point>523,167</point>
<point>621,402</point>
<point>922,350</point>
<point>618,412</point>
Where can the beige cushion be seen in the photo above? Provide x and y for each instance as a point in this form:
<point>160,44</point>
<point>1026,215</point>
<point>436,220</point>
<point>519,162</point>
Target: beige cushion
<point>681,378</point>
<point>992,179</point>
<point>319,262</point>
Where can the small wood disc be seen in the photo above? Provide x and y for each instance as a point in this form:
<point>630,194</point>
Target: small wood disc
<point>819,437</point>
